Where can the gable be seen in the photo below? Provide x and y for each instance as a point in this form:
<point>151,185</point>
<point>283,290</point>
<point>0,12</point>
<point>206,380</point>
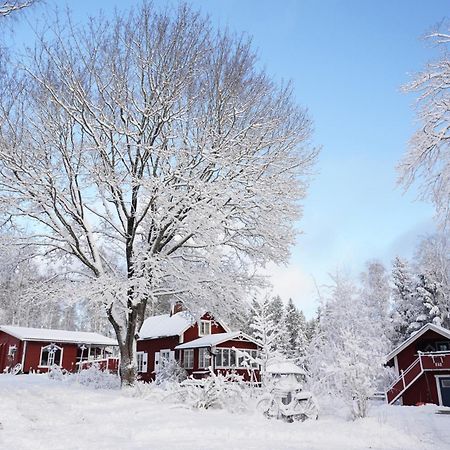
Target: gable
<point>427,332</point>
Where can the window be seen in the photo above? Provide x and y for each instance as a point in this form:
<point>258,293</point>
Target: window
<point>445,383</point>
<point>188,359</point>
<point>205,327</point>
<point>50,356</point>
<point>12,350</point>
<point>141,362</point>
<point>203,358</point>
<point>227,357</point>
<point>164,356</point>
<point>442,346</point>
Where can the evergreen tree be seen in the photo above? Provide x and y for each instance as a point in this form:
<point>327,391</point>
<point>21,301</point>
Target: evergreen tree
<point>406,308</point>
<point>265,332</point>
<point>296,332</point>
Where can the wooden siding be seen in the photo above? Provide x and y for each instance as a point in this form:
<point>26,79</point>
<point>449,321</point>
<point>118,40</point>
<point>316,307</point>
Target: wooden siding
<point>6,341</point>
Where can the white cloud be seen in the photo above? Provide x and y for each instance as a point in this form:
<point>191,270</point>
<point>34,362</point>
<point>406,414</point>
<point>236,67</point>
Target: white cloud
<point>292,281</point>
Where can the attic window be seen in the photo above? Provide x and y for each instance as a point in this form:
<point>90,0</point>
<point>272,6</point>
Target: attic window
<point>205,327</point>
<point>443,346</point>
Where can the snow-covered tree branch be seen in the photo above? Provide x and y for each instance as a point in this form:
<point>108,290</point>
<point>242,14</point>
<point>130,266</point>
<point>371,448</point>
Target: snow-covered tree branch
<point>428,156</point>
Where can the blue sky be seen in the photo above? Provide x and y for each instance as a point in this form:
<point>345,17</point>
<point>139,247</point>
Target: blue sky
<point>347,61</point>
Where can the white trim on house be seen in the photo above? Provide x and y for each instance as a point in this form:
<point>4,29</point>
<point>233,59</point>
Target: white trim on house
<point>429,326</point>
<point>438,386</point>
<point>142,362</point>
<point>191,358</point>
<point>40,366</point>
<point>204,327</point>
<point>24,351</point>
<point>397,370</point>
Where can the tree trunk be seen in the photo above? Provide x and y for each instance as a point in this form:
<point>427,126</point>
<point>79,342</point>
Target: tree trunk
<point>127,369</point>
<point>126,338</point>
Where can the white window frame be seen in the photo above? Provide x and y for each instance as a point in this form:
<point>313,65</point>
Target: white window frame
<point>202,325</point>
<point>189,360</point>
<point>438,386</point>
<point>50,365</point>
<point>12,350</point>
<point>141,362</point>
<point>253,353</point>
<point>204,361</point>
<point>162,355</point>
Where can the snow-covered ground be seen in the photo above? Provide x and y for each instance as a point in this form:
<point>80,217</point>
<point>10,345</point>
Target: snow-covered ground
<point>38,413</point>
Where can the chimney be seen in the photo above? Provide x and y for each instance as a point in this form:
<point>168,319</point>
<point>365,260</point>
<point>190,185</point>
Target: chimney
<point>176,307</point>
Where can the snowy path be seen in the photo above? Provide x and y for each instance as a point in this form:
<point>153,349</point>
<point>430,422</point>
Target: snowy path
<point>37,413</point>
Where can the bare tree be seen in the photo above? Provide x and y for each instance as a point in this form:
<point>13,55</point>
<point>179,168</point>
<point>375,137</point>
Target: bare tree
<point>428,157</point>
<point>153,156</point>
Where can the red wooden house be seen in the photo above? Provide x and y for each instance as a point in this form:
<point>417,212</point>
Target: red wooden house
<point>197,345</point>
<point>422,365</point>
<point>38,349</point>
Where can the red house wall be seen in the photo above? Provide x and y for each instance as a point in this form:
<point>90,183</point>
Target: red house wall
<point>151,346</point>
<point>407,356</point>
<point>5,341</point>
<point>33,355</point>
<point>424,389</point>
<point>32,351</point>
<point>192,333</point>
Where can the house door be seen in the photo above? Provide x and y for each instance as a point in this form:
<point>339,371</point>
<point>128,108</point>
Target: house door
<point>444,384</point>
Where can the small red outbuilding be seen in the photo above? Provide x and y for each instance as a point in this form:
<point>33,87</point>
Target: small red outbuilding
<point>422,365</point>
<point>38,349</point>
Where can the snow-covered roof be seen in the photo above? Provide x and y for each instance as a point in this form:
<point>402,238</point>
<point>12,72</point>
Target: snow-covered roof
<point>211,340</point>
<point>284,367</point>
<point>166,325</point>
<point>429,326</point>
<point>170,325</point>
<point>44,334</point>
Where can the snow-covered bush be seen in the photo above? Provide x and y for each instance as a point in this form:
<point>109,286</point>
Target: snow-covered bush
<point>170,372</point>
<point>96,378</point>
<point>216,391</point>
<point>56,373</point>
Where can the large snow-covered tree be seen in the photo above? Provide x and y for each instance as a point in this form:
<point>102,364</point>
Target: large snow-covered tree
<point>347,353</point>
<point>428,156</point>
<point>154,157</point>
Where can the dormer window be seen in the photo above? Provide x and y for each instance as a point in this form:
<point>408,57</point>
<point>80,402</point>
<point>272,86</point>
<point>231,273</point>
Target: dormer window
<point>205,327</point>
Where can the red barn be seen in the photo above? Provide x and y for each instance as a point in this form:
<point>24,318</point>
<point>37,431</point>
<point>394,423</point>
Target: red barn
<point>196,345</point>
<point>422,365</point>
<point>38,349</point>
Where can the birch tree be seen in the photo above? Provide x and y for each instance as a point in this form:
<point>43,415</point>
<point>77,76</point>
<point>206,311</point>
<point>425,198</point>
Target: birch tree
<point>428,156</point>
<point>152,155</point>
